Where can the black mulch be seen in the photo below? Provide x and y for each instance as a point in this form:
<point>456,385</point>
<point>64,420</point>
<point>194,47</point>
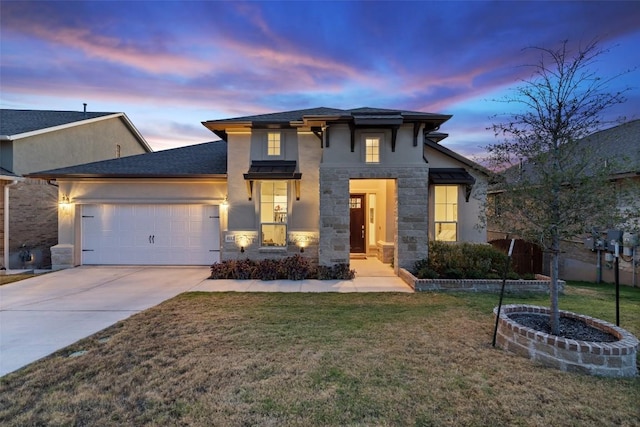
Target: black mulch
<point>570,328</point>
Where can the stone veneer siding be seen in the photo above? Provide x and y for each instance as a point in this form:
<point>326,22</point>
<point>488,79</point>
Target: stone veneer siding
<point>608,359</point>
<point>410,212</point>
<point>252,249</point>
<point>33,221</point>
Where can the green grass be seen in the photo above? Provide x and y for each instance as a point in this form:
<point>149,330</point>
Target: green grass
<point>235,359</point>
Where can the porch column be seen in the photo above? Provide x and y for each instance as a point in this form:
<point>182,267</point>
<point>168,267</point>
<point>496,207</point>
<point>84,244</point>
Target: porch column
<point>412,236</point>
<point>334,216</point>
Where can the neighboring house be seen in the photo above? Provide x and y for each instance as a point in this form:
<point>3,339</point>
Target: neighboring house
<point>620,145</point>
<point>325,182</point>
<point>33,140</point>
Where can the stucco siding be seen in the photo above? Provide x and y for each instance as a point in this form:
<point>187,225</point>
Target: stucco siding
<point>339,150</point>
<point>242,211</point>
<point>74,145</point>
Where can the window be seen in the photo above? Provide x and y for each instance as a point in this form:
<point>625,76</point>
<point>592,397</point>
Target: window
<point>372,149</point>
<point>273,213</point>
<point>273,144</point>
<point>446,212</point>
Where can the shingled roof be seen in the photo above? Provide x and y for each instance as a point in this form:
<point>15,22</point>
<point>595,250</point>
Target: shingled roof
<point>16,122</point>
<point>296,118</point>
<point>200,160</point>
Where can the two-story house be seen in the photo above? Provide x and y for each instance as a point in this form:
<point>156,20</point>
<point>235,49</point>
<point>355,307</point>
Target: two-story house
<point>328,183</point>
<point>33,140</point>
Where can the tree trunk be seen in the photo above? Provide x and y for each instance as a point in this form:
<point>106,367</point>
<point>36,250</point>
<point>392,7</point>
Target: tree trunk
<point>555,311</point>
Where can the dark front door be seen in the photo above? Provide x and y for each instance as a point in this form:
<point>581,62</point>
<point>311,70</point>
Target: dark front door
<point>356,215</point>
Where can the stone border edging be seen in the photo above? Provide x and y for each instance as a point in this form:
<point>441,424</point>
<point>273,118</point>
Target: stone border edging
<point>539,285</point>
<point>613,359</point>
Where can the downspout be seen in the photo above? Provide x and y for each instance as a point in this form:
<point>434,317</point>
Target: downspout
<point>6,223</point>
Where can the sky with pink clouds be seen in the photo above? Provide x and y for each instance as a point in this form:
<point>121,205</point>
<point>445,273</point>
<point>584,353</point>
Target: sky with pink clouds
<point>171,65</point>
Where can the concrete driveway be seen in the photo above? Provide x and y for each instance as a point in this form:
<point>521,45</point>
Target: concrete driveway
<point>45,313</point>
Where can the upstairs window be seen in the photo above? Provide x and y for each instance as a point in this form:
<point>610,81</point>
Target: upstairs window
<point>273,144</point>
<point>273,213</point>
<point>372,149</point>
<point>446,212</point>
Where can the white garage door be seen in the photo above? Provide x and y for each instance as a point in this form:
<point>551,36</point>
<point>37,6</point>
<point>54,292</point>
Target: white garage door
<point>150,234</point>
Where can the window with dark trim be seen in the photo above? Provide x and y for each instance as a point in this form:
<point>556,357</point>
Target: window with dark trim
<point>445,213</point>
<point>273,213</point>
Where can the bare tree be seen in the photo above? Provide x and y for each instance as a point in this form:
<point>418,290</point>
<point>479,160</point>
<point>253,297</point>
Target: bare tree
<point>553,187</point>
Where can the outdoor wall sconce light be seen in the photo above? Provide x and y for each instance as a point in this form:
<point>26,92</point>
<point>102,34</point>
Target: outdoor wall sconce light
<point>64,201</point>
<point>241,249</point>
<point>225,202</point>
<point>301,249</point>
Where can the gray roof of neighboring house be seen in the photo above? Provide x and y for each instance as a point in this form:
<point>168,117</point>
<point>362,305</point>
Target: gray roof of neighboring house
<point>620,143</point>
<point>200,160</point>
<point>5,174</point>
<point>16,122</point>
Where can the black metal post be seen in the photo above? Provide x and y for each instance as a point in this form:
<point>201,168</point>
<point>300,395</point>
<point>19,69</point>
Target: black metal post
<point>617,278</point>
<point>504,281</point>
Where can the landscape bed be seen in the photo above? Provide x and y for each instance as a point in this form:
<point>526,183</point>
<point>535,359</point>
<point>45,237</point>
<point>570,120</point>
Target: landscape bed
<point>539,285</point>
<point>612,353</point>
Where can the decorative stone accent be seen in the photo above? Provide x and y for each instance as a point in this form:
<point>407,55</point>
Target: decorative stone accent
<point>234,242</point>
<point>61,257</point>
<point>478,285</point>
<point>385,251</point>
<point>608,359</point>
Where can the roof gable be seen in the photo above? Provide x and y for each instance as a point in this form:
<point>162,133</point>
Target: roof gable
<point>16,122</point>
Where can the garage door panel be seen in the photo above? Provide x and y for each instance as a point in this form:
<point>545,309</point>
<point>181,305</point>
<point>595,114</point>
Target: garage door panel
<point>150,234</point>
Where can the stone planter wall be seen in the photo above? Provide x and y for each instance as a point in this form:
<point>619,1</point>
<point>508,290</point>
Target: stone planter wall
<point>540,285</point>
<point>614,359</point>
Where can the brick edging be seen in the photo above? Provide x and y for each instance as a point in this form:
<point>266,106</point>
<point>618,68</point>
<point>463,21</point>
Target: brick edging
<point>613,359</point>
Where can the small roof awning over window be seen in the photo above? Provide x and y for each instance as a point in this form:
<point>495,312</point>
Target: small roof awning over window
<point>445,176</point>
<point>452,176</point>
<point>273,169</point>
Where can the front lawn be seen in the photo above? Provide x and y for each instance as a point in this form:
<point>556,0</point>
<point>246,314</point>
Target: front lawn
<point>5,279</point>
<point>240,359</point>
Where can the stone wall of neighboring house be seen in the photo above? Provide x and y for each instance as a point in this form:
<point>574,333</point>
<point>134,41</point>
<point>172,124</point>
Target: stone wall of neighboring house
<point>33,222</point>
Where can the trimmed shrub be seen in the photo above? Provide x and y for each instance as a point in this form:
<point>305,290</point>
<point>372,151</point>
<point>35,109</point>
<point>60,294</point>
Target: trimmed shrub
<point>336,272</point>
<point>462,261</point>
<point>295,267</point>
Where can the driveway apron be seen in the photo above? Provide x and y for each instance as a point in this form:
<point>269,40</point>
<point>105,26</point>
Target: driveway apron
<point>42,314</point>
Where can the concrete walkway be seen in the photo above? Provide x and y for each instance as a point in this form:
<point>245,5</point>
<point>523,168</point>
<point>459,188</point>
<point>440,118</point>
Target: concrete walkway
<point>43,314</point>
